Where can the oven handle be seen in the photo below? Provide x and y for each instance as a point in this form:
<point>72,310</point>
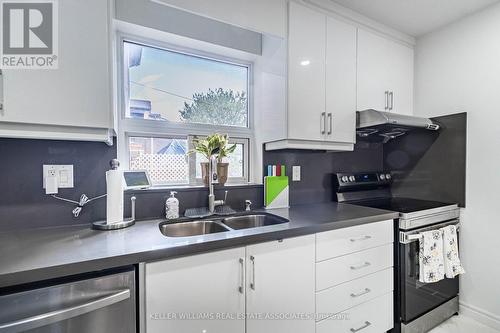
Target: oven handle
<point>414,235</point>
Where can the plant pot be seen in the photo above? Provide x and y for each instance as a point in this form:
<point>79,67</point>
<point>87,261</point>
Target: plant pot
<point>222,172</point>
<point>204,172</point>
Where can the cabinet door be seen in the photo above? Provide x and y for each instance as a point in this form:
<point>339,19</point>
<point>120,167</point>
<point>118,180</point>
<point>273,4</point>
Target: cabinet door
<point>373,71</point>
<point>340,81</point>
<point>306,73</point>
<point>401,79</point>
<point>384,65</point>
<point>280,284</point>
<point>78,92</point>
<point>187,294</point>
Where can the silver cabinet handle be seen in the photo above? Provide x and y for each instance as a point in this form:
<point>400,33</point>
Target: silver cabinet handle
<point>354,330</point>
<point>242,278</point>
<point>29,323</point>
<point>323,122</point>
<point>387,100</point>
<point>361,293</point>
<point>1,92</point>
<point>252,284</point>
<point>391,96</point>
<point>367,237</point>
<point>366,264</point>
<point>330,123</point>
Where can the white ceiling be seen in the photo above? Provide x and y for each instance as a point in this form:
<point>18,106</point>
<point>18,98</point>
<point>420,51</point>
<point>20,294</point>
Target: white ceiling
<point>415,17</point>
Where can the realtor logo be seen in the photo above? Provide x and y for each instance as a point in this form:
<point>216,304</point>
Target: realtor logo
<point>29,34</point>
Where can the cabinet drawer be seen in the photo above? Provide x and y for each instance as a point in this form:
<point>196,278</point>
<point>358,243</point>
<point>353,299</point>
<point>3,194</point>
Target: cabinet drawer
<point>339,242</point>
<point>375,316</point>
<point>352,266</point>
<point>355,292</point>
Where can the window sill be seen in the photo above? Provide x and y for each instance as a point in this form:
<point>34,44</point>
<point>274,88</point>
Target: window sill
<point>185,188</point>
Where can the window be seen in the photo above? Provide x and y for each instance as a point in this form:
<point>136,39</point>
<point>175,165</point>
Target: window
<point>171,86</point>
<point>169,98</point>
<point>164,158</point>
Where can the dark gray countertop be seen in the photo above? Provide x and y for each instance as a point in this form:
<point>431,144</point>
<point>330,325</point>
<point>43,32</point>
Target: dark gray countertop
<point>39,254</point>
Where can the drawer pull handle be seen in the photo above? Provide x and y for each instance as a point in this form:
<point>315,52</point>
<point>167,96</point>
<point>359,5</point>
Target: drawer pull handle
<point>354,330</point>
<point>361,238</point>
<point>366,291</point>
<point>366,264</point>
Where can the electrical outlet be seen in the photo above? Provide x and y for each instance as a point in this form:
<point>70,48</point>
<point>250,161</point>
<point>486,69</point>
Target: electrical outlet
<point>64,174</point>
<point>296,173</point>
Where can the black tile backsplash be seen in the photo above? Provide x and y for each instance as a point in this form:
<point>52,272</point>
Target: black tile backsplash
<point>151,203</point>
<point>317,168</point>
<point>24,204</point>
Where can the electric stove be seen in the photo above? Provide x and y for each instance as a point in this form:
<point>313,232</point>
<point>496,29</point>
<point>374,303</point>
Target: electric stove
<point>418,307</point>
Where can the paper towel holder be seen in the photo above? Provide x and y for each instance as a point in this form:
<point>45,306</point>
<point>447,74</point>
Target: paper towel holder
<point>103,225</point>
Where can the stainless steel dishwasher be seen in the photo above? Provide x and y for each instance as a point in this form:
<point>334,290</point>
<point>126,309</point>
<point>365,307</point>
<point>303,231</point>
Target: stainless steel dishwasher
<point>97,304</point>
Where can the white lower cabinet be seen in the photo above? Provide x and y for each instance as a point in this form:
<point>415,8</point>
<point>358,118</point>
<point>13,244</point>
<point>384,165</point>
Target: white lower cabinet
<point>375,316</point>
<point>355,279</point>
<point>185,295</point>
<point>355,292</point>
<point>280,285</point>
<point>207,292</point>
<point>352,266</point>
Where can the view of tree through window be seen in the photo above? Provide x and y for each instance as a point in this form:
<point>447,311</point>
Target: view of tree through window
<point>171,86</point>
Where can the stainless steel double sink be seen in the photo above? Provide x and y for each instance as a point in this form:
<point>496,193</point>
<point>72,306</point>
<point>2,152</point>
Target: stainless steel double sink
<point>203,227</point>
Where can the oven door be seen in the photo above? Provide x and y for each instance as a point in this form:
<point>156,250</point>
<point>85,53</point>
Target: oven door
<point>418,298</point>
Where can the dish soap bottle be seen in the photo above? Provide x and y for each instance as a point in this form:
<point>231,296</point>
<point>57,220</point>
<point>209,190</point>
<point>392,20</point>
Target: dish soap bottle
<point>172,207</point>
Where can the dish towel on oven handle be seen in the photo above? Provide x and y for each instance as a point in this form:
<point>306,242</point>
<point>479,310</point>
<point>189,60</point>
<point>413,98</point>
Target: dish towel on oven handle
<point>452,264</point>
<point>431,256</point>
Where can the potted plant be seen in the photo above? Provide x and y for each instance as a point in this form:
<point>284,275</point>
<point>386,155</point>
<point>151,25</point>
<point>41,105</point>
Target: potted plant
<point>214,145</point>
<point>224,150</point>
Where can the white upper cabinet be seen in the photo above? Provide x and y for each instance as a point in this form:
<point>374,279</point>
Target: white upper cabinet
<point>340,81</point>
<point>385,74</point>
<point>281,280</point>
<point>306,73</point>
<point>73,101</point>
<point>321,82</point>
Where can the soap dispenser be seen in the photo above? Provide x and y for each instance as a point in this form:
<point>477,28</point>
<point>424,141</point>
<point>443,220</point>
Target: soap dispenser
<point>172,207</point>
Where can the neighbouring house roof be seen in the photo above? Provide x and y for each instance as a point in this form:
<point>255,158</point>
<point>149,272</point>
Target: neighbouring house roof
<point>174,147</point>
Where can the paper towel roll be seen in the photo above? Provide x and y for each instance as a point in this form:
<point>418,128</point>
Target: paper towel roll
<point>114,199</point>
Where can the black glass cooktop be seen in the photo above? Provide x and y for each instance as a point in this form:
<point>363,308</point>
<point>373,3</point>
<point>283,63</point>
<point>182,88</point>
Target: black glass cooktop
<point>400,205</point>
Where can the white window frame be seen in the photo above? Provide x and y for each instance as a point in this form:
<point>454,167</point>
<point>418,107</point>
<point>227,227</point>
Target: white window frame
<point>131,127</point>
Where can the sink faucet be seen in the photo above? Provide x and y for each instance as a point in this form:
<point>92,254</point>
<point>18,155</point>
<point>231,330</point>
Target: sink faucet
<point>212,177</point>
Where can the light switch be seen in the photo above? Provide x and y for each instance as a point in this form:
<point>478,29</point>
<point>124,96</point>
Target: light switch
<point>296,173</point>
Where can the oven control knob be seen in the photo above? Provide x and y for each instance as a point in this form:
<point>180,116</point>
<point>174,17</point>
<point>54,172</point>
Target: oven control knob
<point>351,178</point>
<point>388,176</point>
<point>344,179</point>
<point>382,177</point>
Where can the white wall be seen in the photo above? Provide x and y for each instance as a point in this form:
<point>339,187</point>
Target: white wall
<point>458,69</point>
<point>265,16</point>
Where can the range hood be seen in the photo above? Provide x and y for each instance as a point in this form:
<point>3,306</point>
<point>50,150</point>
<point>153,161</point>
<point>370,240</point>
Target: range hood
<point>386,125</point>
